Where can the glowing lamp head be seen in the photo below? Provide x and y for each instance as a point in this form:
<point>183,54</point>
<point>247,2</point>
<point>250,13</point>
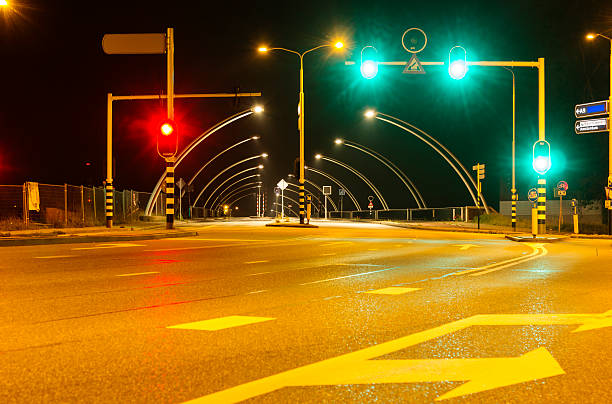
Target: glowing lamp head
<point>457,69</point>
<point>264,155</point>
<point>166,129</point>
<point>338,141</point>
<point>255,137</point>
<point>318,156</point>
<point>3,3</point>
<point>339,45</point>
<point>370,113</point>
<point>590,36</point>
<point>258,109</point>
<point>541,164</point>
<point>260,166</point>
<point>262,49</point>
<point>369,69</point>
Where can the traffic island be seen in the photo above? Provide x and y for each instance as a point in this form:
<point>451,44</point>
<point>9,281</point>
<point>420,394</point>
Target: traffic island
<point>532,238</point>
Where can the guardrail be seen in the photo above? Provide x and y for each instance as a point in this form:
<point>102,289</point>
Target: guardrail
<point>453,213</point>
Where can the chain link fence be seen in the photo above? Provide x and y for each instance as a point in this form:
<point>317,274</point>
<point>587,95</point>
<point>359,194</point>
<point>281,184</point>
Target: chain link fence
<point>47,205</point>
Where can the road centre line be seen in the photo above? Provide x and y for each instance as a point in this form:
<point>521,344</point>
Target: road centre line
<point>347,276</point>
<point>138,273</point>
<point>542,252</point>
<point>538,250</point>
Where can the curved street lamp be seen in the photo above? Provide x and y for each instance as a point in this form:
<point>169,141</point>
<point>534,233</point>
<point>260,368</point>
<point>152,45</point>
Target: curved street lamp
<point>192,145</point>
<point>301,112</point>
<point>233,194</point>
<point>357,173</point>
<point>234,191</point>
<point>214,202</point>
<point>258,167</point>
<point>291,209</point>
<point>242,197</point>
<point>341,185</point>
<point>456,165</point>
<point>418,198</point>
<point>296,192</point>
<point>264,155</point>
<point>318,188</point>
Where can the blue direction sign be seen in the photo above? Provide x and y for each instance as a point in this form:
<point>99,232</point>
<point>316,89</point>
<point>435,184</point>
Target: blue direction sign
<point>532,195</point>
<point>592,125</point>
<point>591,109</point>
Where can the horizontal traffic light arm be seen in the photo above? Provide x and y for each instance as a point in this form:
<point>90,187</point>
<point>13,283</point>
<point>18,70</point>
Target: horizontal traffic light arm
<point>474,63</point>
<point>164,96</point>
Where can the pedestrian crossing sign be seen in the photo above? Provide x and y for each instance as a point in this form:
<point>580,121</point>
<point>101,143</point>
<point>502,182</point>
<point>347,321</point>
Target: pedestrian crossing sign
<point>414,66</point>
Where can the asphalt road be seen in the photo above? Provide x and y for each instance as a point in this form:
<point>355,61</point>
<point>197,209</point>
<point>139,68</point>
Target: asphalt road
<point>345,313</point>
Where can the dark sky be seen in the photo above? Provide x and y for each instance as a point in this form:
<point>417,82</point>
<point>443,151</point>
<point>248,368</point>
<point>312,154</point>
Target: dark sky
<point>55,78</point>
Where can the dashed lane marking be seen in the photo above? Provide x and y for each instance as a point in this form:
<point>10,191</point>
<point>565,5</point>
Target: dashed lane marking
<point>327,254</point>
<point>215,239</point>
<point>347,276</point>
<point>256,262</point>
<point>222,323</point>
<point>335,243</point>
<point>257,291</point>
<point>393,291</point>
<point>56,256</point>
<point>138,273</point>
<point>260,273</point>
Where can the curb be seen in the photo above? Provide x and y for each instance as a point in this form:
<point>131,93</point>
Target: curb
<point>312,226</point>
<point>458,230</point>
<point>72,239</point>
<point>532,239</point>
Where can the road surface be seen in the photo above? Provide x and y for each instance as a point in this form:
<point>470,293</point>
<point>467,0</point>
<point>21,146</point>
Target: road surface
<point>343,313</point>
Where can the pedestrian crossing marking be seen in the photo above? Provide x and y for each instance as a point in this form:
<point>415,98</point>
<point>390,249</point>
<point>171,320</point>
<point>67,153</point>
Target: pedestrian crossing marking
<point>221,323</point>
<point>394,290</point>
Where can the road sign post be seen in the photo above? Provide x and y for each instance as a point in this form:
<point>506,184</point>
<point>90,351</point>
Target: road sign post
<point>282,184</point>
<point>532,196</point>
<point>327,190</point>
<point>480,175</point>
<point>561,192</point>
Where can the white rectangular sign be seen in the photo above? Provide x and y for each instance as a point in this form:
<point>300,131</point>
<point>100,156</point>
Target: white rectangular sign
<point>327,190</point>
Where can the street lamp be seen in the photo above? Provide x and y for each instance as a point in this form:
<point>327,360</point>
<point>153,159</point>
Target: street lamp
<point>222,172</point>
<point>399,173</point>
<point>258,176</point>
<point>301,111</point>
<point>592,36</point>
<point>242,114</point>
<point>360,175</point>
<point>430,140</point>
<point>337,182</point>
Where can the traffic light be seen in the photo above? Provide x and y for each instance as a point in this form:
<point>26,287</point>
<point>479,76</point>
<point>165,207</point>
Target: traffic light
<point>457,64</point>
<point>369,69</point>
<point>167,138</point>
<point>225,210</point>
<point>541,157</point>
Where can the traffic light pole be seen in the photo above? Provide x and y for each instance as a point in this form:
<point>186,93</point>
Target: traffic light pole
<point>170,104</point>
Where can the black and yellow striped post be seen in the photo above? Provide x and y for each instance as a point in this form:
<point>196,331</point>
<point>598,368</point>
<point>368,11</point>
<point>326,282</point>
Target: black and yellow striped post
<point>541,205</point>
<point>109,204</point>
<point>308,209</point>
<point>302,207</point>
<point>514,198</point>
<point>169,193</point>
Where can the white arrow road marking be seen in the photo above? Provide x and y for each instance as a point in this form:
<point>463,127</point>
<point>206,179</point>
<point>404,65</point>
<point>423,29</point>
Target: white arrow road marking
<point>465,246</point>
<point>538,250</point>
<point>480,374</point>
<point>110,245</point>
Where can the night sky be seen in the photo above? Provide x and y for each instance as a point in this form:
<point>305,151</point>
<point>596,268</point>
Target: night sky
<point>55,78</point>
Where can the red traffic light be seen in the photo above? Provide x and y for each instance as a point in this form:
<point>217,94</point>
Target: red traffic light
<point>167,138</point>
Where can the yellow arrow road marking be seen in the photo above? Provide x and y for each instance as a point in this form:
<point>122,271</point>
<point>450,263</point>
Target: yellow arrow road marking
<point>480,373</point>
<point>465,246</point>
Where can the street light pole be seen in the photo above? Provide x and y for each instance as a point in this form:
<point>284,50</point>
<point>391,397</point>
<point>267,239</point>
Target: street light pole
<point>301,111</point>
<point>514,195</point>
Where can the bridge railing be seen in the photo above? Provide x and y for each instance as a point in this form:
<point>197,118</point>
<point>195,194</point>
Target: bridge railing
<point>453,213</point>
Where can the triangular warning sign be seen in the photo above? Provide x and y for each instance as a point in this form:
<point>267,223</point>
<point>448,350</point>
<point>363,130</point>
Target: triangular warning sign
<point>414,66</point>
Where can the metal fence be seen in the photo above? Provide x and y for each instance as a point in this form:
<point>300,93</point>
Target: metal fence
<point>69,205</point>
<point>461,213</point>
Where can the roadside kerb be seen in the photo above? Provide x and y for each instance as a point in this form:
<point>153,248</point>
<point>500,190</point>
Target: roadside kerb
<point>102,238</point>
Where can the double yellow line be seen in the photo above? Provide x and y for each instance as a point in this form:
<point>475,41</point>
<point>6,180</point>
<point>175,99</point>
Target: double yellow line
<point>538,250</point>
